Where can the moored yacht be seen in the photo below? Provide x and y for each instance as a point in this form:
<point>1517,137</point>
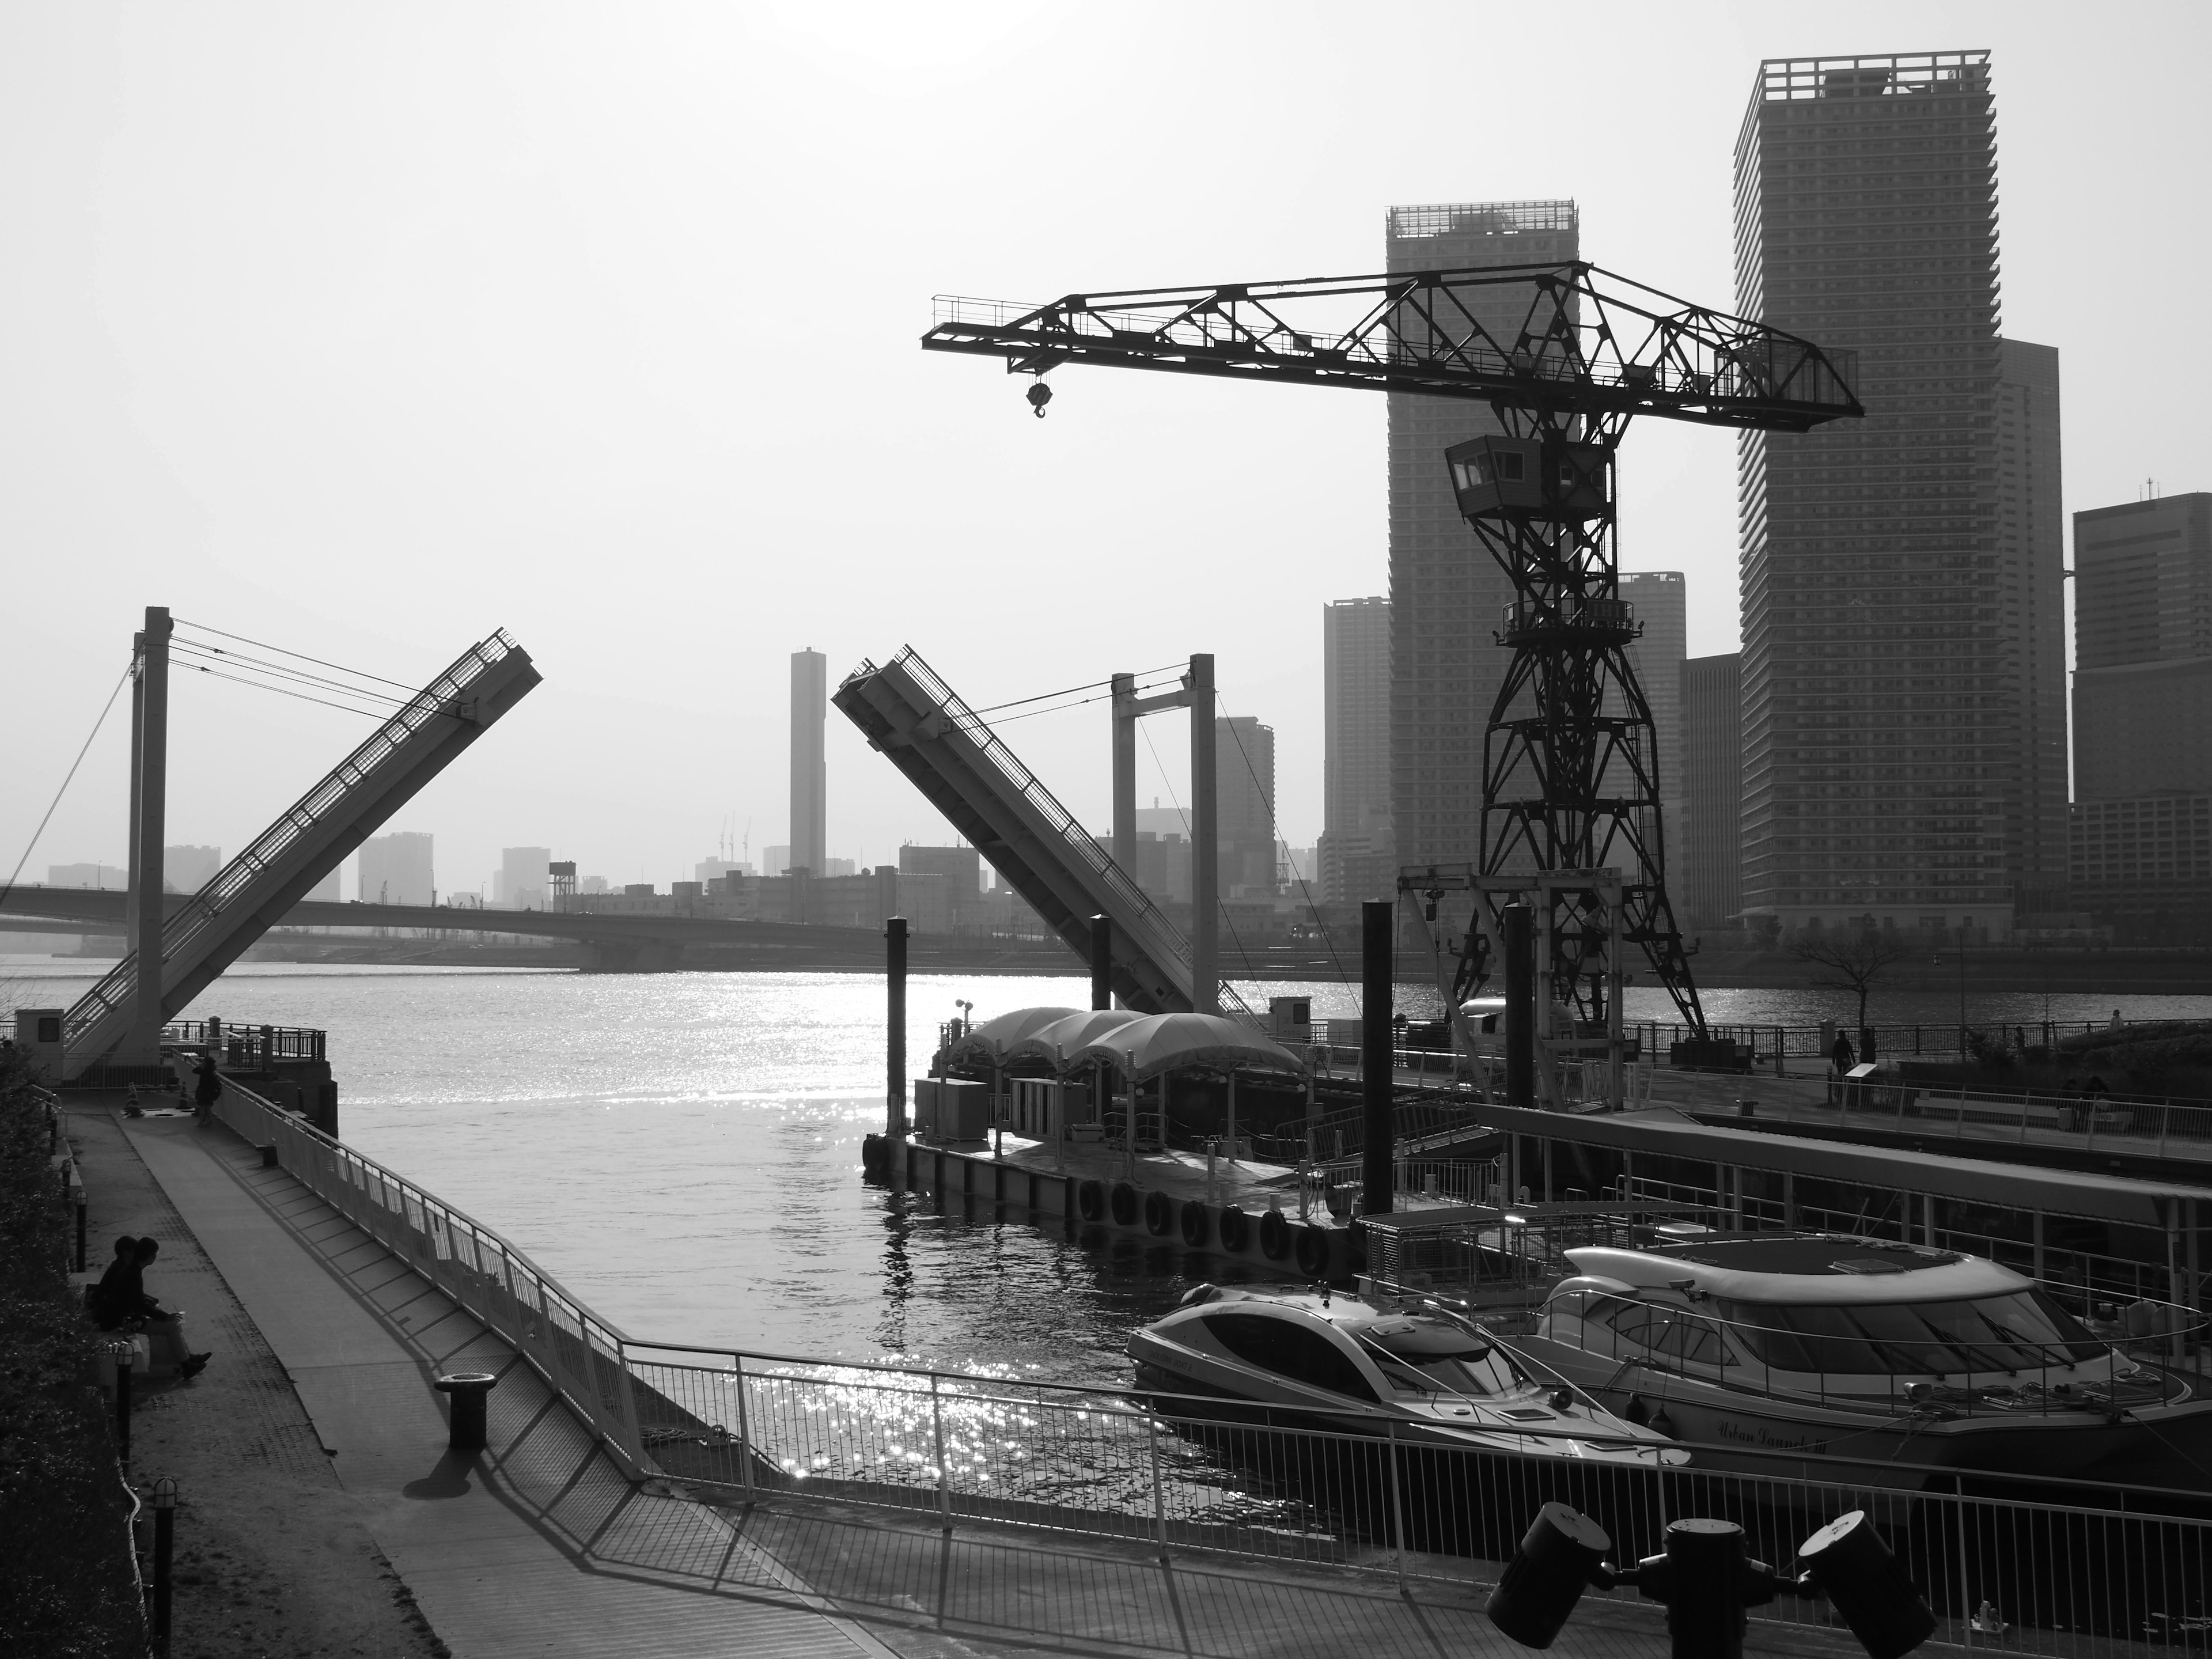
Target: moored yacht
<point>1418,1373</point>
<point>1866,1349</point>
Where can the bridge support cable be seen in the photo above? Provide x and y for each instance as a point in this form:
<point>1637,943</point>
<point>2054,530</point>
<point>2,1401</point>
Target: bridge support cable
<point>201,936</point>
<point>1039,849</point>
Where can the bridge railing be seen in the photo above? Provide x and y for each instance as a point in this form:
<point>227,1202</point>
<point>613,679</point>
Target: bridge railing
<point>186,926</point>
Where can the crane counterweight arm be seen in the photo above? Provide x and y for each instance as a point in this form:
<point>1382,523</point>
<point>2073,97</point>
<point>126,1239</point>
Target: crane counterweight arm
<point>1587,343</point>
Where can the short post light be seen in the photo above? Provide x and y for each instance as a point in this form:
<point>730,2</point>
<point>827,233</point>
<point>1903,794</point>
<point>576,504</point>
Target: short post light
<point>1708,1582</point>
<point>164,1548</point>
<point>121,1354</point>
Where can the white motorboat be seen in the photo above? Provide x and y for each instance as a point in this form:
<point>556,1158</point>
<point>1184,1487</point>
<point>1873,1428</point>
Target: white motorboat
<point>1412,1371</point>
<point>1867,1349</point>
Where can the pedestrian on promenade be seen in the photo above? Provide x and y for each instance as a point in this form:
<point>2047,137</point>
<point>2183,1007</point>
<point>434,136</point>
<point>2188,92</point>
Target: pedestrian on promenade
<point>208,1090</point>
<point>1841,1059</point>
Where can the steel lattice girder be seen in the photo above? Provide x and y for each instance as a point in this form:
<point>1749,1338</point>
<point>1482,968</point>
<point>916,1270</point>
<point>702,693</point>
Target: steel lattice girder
<point>1588,343</point>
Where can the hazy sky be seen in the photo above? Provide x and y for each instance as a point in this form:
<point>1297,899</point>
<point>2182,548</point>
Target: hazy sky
<point>370,328</point>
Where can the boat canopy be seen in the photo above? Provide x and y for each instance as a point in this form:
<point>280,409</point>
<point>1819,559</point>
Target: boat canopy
<point>994,1037</point>
<point>1060,1040</point>
<point>1155,1043</point>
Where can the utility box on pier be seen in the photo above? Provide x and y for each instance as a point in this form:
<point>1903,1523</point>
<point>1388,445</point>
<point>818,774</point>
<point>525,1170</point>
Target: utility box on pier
<point>950,1108</point>
<point>964,1110</point>
<point>1289,1019</point>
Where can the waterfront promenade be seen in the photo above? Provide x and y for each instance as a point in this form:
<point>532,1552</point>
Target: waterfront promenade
<point>542,1546</point>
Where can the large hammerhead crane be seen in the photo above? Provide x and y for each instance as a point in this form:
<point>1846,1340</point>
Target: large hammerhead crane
<point>1569,778</point>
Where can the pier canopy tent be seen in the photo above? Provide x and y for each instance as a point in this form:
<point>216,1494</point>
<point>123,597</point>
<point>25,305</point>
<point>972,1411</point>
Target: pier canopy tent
<point>1155,1044</point>
<point>992,1039</point>
<point>1059,1043</point>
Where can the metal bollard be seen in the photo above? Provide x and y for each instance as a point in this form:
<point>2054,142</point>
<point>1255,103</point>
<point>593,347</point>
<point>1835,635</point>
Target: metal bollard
<point>165,1545</point>
<point>469,1391</point>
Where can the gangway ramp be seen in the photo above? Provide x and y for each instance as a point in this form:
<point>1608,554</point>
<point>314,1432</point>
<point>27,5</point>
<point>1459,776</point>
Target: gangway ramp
<point>255,889</point>
<point>1033,842</point>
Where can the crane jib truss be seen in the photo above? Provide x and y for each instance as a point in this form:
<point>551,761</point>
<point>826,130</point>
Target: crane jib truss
<point>1570,773</point>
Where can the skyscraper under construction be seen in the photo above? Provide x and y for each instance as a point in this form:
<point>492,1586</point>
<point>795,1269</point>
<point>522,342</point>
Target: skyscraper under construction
<point>1446,594</point>
<point>1903,679</point>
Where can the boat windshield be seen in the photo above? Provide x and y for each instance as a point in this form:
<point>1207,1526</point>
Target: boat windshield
<point>1426,1365</point>
<point>2023,1331</point>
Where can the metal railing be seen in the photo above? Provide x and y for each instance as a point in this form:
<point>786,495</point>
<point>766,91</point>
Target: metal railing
<point>1985,1119</point>
<point>1892,1042</point>
<point>264,1042</point>
<point>2095,1578</point>
<point>185,927</point>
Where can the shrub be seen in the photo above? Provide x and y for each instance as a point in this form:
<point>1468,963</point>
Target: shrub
<point>66,1589</point>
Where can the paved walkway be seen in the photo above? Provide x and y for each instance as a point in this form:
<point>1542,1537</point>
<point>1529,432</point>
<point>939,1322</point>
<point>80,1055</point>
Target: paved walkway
<point>541,1546</point>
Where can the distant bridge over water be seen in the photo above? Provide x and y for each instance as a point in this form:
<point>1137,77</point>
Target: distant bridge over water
<point>616,944</point>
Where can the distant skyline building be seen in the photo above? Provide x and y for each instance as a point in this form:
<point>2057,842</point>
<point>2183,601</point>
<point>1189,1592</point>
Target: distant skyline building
<point>188,869</point>
<point>1704,842</point>
<point>1446,592</point>
<point>1244,805</point>
<point>1662,602</point>
<point>398,869</point>
<point>2143,655</point>
<point>810,773</point>
<point>520,882</point>
<point>2141,835</point>
<point>1356,836</point>
<point>104,878</point>
<point>1901,633</point>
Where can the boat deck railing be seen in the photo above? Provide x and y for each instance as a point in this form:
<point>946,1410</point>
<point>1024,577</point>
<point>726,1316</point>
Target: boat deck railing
<point>2006,1567</point>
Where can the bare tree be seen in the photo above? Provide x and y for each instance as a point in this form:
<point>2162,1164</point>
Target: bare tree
<point>1854,962</point>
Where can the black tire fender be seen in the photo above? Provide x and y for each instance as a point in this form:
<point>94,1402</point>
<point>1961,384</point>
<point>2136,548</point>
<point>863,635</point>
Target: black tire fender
<point>1090,1200</point>
<point>1159,1214</point>
<point>1195,1219</point>
<point>1122,1203</point>
<point>1235,1229</point>
<point>1275,1236</point>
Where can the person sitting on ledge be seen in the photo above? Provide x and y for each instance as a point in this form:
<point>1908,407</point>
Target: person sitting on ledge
<point>120,1302</point>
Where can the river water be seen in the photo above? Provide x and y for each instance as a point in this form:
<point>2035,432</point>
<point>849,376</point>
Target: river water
<point>682,1151</point>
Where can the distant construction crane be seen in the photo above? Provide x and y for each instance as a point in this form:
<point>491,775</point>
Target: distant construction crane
<point>1570,782</point>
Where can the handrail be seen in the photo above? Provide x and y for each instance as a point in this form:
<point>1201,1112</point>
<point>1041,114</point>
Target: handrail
<point>203,911</point>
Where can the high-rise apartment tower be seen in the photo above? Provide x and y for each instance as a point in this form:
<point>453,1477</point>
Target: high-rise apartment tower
<point>1705,841</point>
<point>1357,848</point>
<point>1661,598</point>
<point>2143,718</point>
<point>1446,594</point>
<point>810,772</point>
<point>1902,651</point>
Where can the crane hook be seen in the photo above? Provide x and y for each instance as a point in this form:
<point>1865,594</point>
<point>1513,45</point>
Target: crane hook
<point>1039,395</point>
